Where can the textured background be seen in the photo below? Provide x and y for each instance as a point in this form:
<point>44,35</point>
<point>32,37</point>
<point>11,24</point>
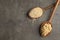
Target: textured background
<point>15,25</point>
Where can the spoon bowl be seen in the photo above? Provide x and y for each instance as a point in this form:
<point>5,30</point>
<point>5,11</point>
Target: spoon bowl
<point>45,28</point>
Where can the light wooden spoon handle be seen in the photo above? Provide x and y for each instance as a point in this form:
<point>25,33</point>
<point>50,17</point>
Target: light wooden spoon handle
<point>54,10</point>
<point>50,6</point>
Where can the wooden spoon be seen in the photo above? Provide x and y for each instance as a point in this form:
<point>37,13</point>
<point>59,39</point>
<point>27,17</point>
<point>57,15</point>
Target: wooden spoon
<point>38,11</point>
<point>46,27</point>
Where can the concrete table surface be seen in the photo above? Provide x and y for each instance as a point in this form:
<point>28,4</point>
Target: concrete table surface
<point>15,25</point>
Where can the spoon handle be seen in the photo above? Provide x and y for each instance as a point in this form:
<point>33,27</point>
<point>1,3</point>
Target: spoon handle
<point>54,10</point>
<point>50,6</point>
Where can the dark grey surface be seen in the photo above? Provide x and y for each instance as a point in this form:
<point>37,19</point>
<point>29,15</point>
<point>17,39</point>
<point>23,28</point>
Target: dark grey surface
<point>15,25</point>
